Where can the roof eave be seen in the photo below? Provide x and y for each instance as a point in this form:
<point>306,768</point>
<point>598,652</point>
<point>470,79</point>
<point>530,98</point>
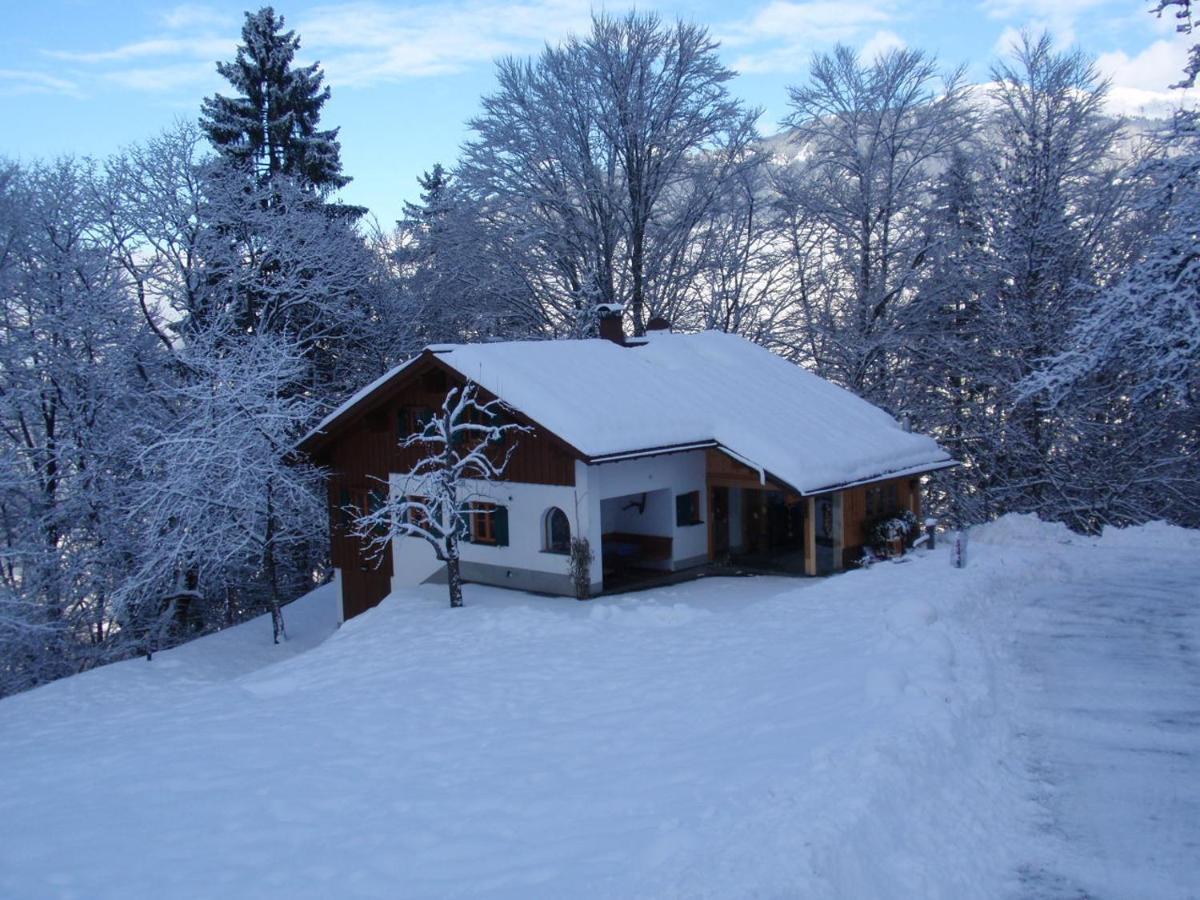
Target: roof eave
<point>920,469</point>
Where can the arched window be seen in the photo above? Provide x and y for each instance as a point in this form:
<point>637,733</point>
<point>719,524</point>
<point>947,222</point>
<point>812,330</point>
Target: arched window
<point>556,531</point>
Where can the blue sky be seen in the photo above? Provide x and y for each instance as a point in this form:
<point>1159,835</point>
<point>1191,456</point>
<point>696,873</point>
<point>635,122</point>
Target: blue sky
<point>87,77</point>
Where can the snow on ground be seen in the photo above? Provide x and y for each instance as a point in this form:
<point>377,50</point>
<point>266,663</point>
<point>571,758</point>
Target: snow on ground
<point>1026,726</point>
<point>1106,696</point>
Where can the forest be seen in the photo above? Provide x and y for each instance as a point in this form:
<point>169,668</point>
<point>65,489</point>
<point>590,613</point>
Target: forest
<point>1005,267</point>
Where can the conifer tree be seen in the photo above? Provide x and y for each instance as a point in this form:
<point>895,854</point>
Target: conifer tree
<point>271,127</point>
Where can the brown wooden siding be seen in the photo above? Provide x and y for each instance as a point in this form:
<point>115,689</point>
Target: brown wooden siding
<point>722,469</point>
<point>855,520</point>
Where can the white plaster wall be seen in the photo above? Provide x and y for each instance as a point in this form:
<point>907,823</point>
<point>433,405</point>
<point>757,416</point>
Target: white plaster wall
<point>414,560</point>
<point>527,505</point>
<point>649,513</point>
<point>670,474</point>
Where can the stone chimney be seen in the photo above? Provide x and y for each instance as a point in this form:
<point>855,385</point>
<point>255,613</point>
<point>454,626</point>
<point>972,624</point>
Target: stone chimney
<point>612,327</point>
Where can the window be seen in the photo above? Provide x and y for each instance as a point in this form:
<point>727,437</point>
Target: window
<point>687,508</point>
<point>489,524</point>
<point>557,531</point>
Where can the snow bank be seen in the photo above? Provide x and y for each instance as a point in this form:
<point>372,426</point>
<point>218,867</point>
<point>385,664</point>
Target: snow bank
<point>860,736</point>
<point>1017,530</point>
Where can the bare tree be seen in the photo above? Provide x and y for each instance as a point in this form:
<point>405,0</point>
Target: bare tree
<point>599,158</point>
<point>872,138</point>
<point>221,503</point>
<point>1058,193</point>
<point>467,443</point>
<point>75,368</point>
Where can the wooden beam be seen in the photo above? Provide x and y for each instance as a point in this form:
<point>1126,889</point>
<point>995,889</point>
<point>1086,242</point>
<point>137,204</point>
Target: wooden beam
<point>810,536</point>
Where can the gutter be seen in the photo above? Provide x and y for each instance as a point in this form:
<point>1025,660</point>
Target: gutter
<point>749,464</point>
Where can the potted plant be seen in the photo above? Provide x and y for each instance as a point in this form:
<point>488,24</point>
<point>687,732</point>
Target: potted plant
<point>889,534</point>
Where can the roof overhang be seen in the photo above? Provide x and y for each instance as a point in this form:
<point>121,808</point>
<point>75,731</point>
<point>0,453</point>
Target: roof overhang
<point>650,451</point>
<point>922,469</point>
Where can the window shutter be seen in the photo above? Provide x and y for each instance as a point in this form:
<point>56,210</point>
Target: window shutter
<point>402,423</point>
<point>343,513</point>
<point>501,526</point>
<point>464,527</point>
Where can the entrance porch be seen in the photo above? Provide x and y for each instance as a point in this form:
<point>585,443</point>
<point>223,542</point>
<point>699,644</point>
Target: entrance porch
<point>757,524</point>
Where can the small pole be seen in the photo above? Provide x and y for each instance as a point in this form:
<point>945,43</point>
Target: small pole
<point>930,531</point>
<point>958,553</point>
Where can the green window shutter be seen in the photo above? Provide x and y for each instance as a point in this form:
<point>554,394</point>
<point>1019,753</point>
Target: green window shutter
<point>464,527</point>
<point>501,514</point>
<point>343,512</point>
<point>402,430</point>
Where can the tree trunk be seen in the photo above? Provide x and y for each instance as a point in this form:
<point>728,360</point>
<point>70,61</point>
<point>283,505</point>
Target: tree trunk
<point>277,630</point>
<point>453,575</point>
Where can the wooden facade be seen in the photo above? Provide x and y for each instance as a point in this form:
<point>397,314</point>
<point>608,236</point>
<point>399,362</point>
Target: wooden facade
<point>865,503</point>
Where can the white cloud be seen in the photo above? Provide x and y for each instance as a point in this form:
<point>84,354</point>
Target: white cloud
<point>1039,9</point>
<point>26,81</point>
<point>1141,83</point>
<point>1059,18</point>
<point>364,43</point>
<point>1008,42</point>
<point>880,43</point>
<point>191,15</point>
<point>816,20</point>
<point>154,47</point>
<point>163,79</point>
<point>358,43</point>
<point>781,36</point>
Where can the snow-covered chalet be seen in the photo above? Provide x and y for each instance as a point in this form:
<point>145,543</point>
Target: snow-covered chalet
<point>666,452</point>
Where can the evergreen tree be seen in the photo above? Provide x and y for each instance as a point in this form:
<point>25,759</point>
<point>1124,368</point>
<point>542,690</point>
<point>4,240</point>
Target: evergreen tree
<point>947,337</point>
<point>434,187</point>
<point>271,127</point>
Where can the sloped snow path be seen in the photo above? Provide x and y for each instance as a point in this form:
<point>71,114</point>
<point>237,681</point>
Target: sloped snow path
<point>1108,645</point>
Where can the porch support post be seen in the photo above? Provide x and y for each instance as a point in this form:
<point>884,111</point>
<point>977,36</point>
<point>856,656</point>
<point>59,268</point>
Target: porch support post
<point>810,536</point>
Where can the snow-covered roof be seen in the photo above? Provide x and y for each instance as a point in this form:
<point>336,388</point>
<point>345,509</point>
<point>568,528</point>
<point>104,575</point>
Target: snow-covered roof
<point>678,389</point>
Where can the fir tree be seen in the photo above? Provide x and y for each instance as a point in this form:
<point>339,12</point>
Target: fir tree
<point>271,127</point>
<point>434,186</point>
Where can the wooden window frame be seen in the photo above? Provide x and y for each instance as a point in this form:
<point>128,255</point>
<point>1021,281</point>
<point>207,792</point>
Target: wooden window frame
<point>483,524</point>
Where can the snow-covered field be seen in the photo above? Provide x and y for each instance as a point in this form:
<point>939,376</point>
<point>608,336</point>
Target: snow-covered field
<point>1027,726</point>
